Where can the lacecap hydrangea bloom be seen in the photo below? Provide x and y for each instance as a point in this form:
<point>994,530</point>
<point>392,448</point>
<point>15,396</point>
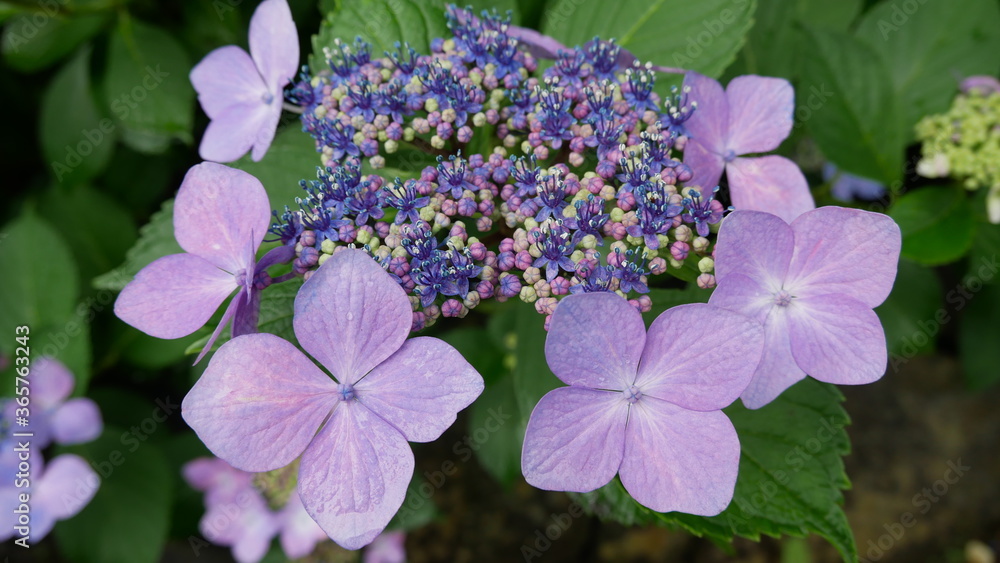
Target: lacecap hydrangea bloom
<point>579,167</point>
<point>964,142</point>
<point>243,93</point>
<point>261,403</point>
<point>813,284</point>
<point>643,405</point>
<point>221,215</point>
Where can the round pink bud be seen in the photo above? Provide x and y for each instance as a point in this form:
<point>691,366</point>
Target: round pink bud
<point>706,281</point>
<point>657,266</point>
<point>484,224</point>
<point>679,250</point>
<point>560,286</point>
<point>523,260</point>
<point>546,305</point>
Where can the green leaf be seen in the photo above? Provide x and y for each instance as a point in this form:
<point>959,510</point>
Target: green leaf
<point>381,23</point>
<point>34,41</point>
<point>77,138</point>
<point>496,427</point>
<point>100,229</point>
<point>128,519</point>
<point>291,158</point>
<point>937,224</point>
<point>418,508</point>
<point>910,316</point>
<point>703,36</point>
<point>146,87</point>
<point>41,284</point>
<point>979,333</point>
<point>156,239</point>
<point>853,113</point>
<point>929,46</point>
<point>664,299</point>
<point>531,373</point>
<point>67,340</point>
<point>774,44</point>
<point>983,255</point>
<point>790,479</point>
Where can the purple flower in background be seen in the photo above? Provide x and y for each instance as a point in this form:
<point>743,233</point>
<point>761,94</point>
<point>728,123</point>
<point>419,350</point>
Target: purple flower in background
<point>984,85</point>
<point>220,218</point>
<point>58,491</point>
<point>54,416</point>
<point>261,403</point>
<point>643,405</point>
<point>752,115</point>
<point>242,93</point>
<point>238,516</point>
<point>848,187</point>
<point>388,547</point>
<point>813,284</point>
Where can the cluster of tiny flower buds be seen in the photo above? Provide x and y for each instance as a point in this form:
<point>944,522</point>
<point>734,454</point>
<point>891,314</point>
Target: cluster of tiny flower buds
<point>576,188</point>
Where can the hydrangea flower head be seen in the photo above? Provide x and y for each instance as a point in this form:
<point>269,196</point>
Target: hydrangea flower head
<point>752,115</point>
<point>54,416</point>
<point>242,93</point>
<point>261,403</point>
<point>643,405</point>
<point>813,284</point>
<point>59,490</point>
<point>220,218</point>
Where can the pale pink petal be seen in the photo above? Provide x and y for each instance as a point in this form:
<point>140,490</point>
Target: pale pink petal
<point>233,132</point>
<point>847,251</point>
<point>259,402</point>
<point>299,532</point>
<point>76,421</point>
<point>575,439</point>
<point>226,77</point>
<point>743,295</point>
<point>204,473</point>
<point>265,133</point>
<point>218,212</point>
<point>837,339</point>
<point>351,315</point>
<point>421,388</point>
<point>66,487</point>
<point>595,340</point>
<point>274,44</point>
<point>777,369</point>
<point>761,112</point>
<point>679,460</point>
<point>256,529</point>
<point>353,477</point>
<point>772,184</point>
<point>51,383</point>
<point>755,244</point>
<point>174,296</point>
<point>235,304</point>
<point>709,123</point>
<point>683,362</point>
<point>706,165</point>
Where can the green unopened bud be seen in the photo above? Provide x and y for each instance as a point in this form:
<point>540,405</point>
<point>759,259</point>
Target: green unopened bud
<point>449,115</point>
<point>635,241</point>
<point>706,265</point>
<point>363,237</point>
<point>479,119</point>
<point>700,244</point>
<point>391,146</point>
<point>431,104</point>
<point>327,246</point>
<point>437,142</point>
<point>374,244</point>
<point>617,214</point>
<point>530,223</point>
<point>577,255</point>
<point>408,134</point>
<point>456,242</point>
<point>528,294</point>
<point>323,258</point>
<point>382,136</point>
<point>377,162</point>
